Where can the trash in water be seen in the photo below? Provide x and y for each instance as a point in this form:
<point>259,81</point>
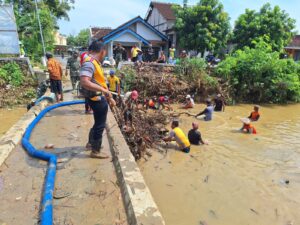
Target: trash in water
<point>49,146</point>
<point>18,198</point>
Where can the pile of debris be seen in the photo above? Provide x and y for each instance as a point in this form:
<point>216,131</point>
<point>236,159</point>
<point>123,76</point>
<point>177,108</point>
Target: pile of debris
<point>147,128</point>
<point>153,80</point>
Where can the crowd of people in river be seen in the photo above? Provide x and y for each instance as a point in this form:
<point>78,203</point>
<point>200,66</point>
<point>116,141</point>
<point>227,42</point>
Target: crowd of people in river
<point>100,91</point>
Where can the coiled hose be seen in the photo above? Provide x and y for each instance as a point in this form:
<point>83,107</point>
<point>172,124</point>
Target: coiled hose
<point>47,207</point>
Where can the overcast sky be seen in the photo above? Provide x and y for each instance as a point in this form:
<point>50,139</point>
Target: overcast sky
<point>112,13</point>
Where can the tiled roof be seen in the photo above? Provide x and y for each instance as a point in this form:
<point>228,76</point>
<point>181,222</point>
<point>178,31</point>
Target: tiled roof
<point>165,9</point>
<point>295,42</point>
<point>99,32</point>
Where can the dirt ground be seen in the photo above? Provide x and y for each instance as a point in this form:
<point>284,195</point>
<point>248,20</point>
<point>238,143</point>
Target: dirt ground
<point>87,190</point>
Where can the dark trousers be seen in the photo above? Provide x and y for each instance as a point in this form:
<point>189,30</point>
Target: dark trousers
<point>100,109</point>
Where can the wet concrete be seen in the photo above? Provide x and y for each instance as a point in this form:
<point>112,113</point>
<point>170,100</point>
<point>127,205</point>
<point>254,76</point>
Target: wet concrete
<point>87,190</point>
<point>239,178</point>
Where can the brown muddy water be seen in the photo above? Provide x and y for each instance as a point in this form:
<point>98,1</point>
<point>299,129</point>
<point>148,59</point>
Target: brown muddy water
<point>238,179</point>
<point>8,117</point>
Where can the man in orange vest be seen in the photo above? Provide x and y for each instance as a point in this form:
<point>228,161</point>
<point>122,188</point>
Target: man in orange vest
<point>95,90</point>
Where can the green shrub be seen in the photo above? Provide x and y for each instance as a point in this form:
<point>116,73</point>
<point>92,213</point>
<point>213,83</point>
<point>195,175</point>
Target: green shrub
<point>191,69</point>
<point>259,75</point>
<point>12,74</point>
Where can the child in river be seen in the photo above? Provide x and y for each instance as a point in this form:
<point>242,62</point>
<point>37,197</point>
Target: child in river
<point>247,126</point>
<point>254,116</point>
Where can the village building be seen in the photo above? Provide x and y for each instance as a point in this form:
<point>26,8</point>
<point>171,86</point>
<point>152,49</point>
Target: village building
<point>135,31</point>
<point>60,43</point>
<point>293,49</point>
<point>162,17</point>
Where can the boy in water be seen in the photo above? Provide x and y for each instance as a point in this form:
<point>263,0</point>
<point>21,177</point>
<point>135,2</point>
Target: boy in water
<point>177,135</point>
<point>254,116</point>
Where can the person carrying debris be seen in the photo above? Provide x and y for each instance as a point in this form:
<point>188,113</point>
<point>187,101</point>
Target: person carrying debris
<point>207,112</point>
<point>94,88</point>
<point>164,102</point>
<point>55,72</point>
<point>194,135</point>
<point>247,126</point>
<point>178,135</point>
<point>255,115</point>
<point>119,50</point>
<point>130,99</point>
<point>73,65</point>
<point>189,102</point>
<point>114,83</point>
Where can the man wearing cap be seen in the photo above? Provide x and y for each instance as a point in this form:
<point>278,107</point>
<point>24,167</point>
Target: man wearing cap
<point>55,72</point>
<point>189,102</point>
<point>219,103</point>
<point>207,112</point>
<point>114,83</point>
<point>194,135</point>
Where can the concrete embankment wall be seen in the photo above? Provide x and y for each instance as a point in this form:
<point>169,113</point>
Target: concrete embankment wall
<point>139,204</point>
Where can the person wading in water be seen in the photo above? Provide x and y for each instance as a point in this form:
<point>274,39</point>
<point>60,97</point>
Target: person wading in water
<point>94,88</point>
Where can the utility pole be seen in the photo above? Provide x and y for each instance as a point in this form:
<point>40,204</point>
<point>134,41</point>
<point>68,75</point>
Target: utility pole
<point>41,31</point>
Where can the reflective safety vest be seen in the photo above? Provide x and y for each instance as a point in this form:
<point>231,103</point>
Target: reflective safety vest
<point>181,138</point>
<point>151,103</point>
<point>98,76</point>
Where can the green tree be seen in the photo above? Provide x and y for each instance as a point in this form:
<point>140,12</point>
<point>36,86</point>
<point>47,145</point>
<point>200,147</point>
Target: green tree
<point>259,75</point>
<point>81,40</point>
<point>273,24</point>
<point>202,27</point>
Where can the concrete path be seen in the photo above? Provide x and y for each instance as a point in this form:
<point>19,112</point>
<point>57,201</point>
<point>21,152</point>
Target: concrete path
<point>87,191</point>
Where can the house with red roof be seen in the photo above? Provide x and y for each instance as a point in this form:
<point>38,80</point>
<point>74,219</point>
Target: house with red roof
<point>293,49</point>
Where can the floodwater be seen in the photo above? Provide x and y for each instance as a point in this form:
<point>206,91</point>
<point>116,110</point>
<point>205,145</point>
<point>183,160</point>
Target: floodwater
<point>8,117</point>
<point>238,179</point>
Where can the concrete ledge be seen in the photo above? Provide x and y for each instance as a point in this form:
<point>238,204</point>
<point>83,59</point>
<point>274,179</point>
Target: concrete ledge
<point>139,204</point>
<point>14,135</point>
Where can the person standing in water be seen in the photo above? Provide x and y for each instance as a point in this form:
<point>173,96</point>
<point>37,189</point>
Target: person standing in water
<point>219,103</point>
<point>255,115</point>
<point>207,112</point>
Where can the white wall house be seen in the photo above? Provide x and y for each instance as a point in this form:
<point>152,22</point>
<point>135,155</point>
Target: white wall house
<point>136,31</point>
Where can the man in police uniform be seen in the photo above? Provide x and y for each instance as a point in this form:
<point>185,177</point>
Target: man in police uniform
<point>73,65</point>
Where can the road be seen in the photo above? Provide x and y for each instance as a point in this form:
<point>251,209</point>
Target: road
<point>87,190</point>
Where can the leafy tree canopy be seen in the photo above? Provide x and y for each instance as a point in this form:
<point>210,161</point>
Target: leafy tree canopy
<point>259,75</point>
<point>81,40</point>
<point>204,26</point>
<point>273,23</point>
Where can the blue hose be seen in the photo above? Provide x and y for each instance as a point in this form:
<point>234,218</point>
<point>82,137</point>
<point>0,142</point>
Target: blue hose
<point>47,207</point>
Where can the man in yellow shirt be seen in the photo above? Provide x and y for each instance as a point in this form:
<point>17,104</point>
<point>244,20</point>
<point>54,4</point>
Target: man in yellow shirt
<point>134,53</point>
<point>114,83</point>
<point>177,135</point>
